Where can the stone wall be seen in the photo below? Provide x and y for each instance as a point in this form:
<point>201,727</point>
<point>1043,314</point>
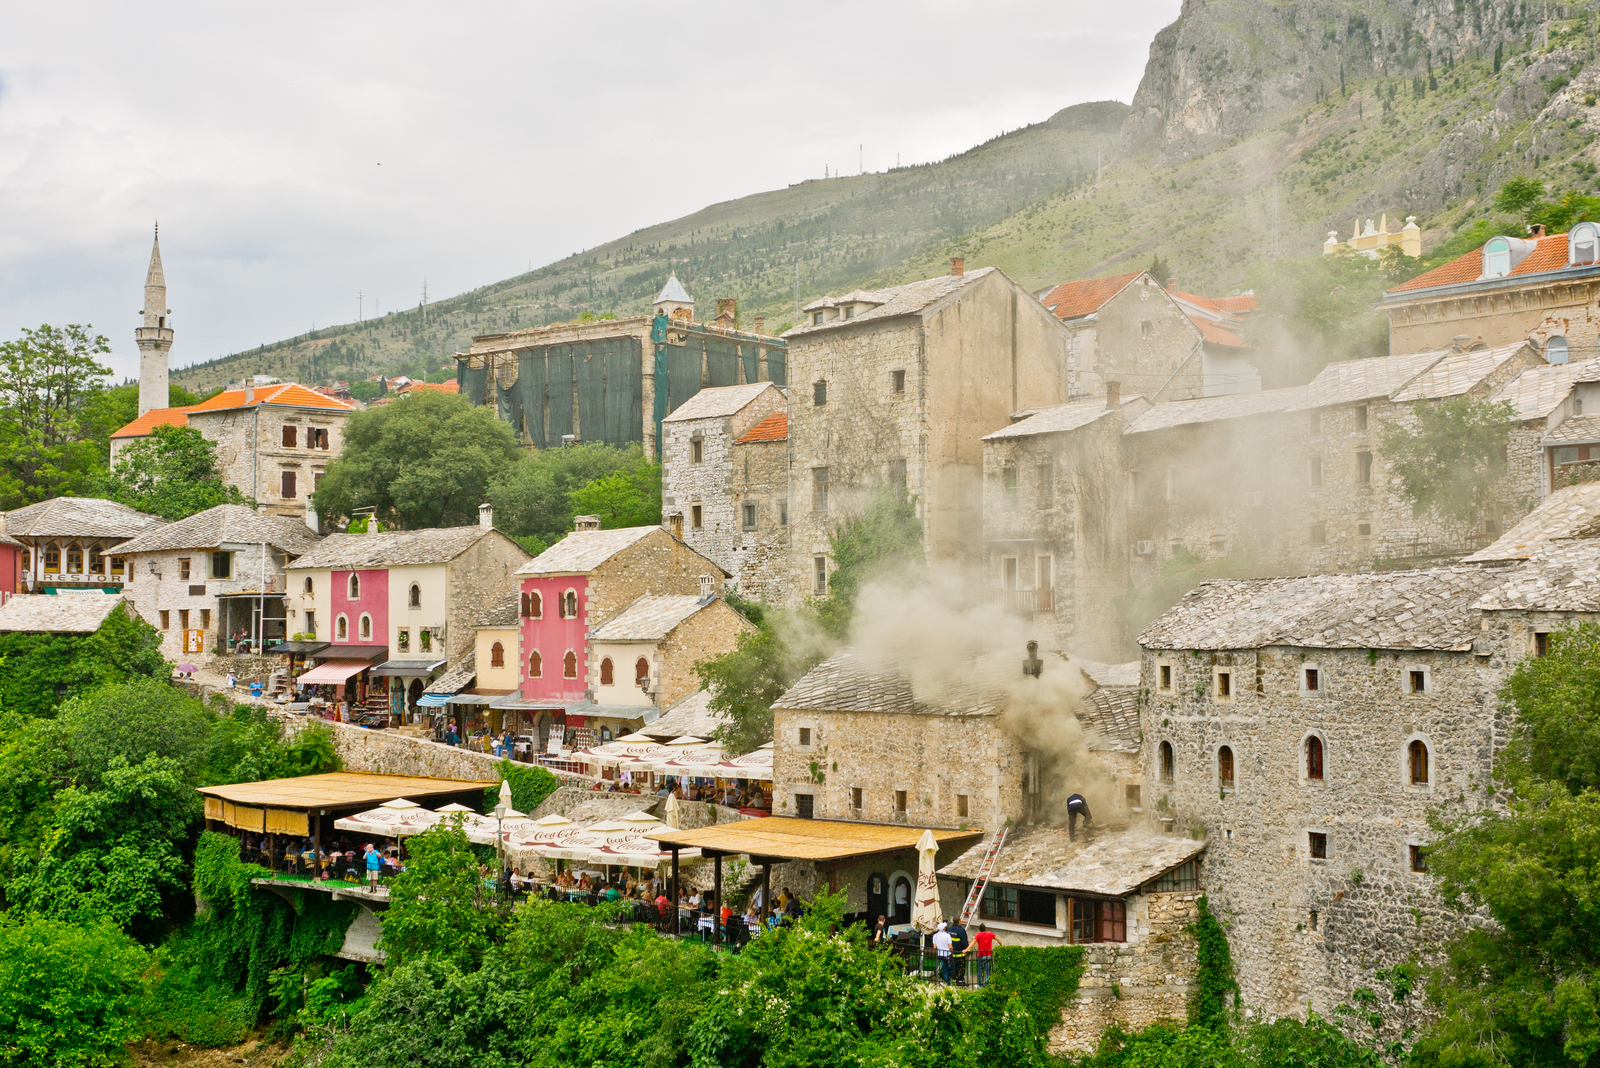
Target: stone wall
<point>1540,309</point>
<point>657,563</point>
<point>479,578</point>
<point>251,455</point>
<point>1142,339</point>
<point>712,631</point>
<point>386,752</point>
<point>155,584</point>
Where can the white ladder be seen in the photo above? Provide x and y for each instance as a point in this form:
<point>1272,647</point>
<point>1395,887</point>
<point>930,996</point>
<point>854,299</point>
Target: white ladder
<point>982,881</point>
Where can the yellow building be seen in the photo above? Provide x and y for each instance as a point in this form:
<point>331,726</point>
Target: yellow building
<point>1371,240</point>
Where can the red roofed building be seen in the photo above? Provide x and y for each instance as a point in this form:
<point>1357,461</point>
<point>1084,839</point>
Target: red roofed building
<point>1539,288</point>
<point>273,441</point>
<point>427,387</point>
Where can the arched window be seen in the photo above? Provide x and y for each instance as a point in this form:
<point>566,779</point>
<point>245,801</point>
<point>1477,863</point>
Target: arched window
<point>1225,766</point>
<point>1417,753</point>
<point>97,563</point>
<point>641,670</point>
<point>569,605</point>
<point>355,586</point>
<point>606,676</point>
<point>1168,762</point>
<point>415,596</point>
<point>1555,350</point>
<point>497,655</point>
<point>52,559</point>
<point>535,665</point>
<point>1583,244</point>
<point>535,605</point>
<point>74,559</point>
<point>366,627</point>
<point>1314,757</point>
<point>343,628</point>
<point>1496,258</point>
<point>310,587</point>
<point>569,665</point>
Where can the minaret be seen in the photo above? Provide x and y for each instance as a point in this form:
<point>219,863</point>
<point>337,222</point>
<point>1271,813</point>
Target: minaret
<point>155,336</point>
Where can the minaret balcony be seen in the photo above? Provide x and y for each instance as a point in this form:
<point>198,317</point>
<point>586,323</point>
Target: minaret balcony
<point>144,334</point>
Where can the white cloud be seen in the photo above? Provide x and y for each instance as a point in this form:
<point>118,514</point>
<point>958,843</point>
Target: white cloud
<point>298,154</point>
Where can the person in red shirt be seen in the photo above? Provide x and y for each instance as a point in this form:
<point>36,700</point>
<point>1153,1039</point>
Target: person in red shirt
<point>664,908</point>
<point>983,944</point>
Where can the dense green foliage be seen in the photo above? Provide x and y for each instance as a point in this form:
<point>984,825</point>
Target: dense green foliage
<point>171,473</point>
<point>1044,977</point>
<point>630,497</point>
<point>38,671</point>
<point>1450,460</point>
<point>746,680</point>
<point>530,785</point>
<point>69,993</point>
<point>1214,983</point>
<point>881,543</point>
<point>50,380</point>
<point>536,497</point>
<point>440,904</point>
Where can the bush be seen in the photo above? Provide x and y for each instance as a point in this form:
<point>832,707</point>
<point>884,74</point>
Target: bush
<point>1044,977</point>
<point>530,785</point>
<point>69,995</point>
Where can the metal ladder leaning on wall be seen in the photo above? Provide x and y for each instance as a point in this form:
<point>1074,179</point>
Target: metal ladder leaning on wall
<point>981,883</point>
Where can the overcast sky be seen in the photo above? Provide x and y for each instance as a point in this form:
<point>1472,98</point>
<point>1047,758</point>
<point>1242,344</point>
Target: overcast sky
<point>297,154</point>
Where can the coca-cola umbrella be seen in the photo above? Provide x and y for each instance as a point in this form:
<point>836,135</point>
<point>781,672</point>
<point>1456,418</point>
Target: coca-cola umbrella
<point>529,842</point>
<point>622,752</point>
<point>756,765</point>
<point>392,819</point>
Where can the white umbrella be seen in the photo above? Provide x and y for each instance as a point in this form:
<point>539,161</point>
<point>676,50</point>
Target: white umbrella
<point>580,847</point>
<point>453,807</point>
<point>555,819</point>
<point>505,792</point>
<point>698,761</point>
<point>389,820</point>
<point>672,811</point>
<point>400,803</point>
<point>533,841</point>
<point>925,904</point>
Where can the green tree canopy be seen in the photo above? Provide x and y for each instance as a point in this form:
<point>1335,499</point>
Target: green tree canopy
<point>69,993</point>
<point>425,461</point>
<point>882,542</point>
<point>39,671</point>
<point>533,497</point>
<point>1450,460</point>
<point>172,474</point>
<point>48,379</point>
<point>627,498</point>
<point>439,905</point>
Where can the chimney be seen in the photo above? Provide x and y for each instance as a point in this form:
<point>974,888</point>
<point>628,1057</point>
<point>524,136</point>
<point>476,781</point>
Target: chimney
<point>486,516</point>
<point>761,324</point>
<point>727,311</point>
<point>1459,342</point>
<point>1536,231</point>
<point>1113,394</point>
<point>708,588</point>
<point>1033,666</point>
<point>373,524</point>
<point>249,389</point>
<point>958,266</point>
<point>585,522</point>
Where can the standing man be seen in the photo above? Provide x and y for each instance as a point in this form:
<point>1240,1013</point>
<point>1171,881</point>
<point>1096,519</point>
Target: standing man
<point>374,866</point>
<point>942,945</point>
<point>983,953</point>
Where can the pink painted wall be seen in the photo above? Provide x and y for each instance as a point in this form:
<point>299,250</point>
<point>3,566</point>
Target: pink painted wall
<point>10,568</point>
<point>552,636</point>
<point>374,601</point>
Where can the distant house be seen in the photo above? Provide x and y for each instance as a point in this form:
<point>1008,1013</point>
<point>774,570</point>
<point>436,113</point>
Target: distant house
<point>69,544</point>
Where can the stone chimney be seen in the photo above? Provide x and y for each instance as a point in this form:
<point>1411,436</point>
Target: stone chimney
<point>1536,231</point>
<point>708,588</point>
<point>585,522</point>
<point>486,516</point>
<point>727,312</point>
<point>1113,394</point>
<point>761,324</point>
<point>373,525</point>
<point>249,389</point>
<point>958,266</point>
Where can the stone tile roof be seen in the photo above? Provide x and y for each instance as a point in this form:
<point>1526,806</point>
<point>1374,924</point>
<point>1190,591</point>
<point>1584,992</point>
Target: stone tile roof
<point>691,717</point>
<point>909,299</point>
<point>1349,381</point>
<point>62,613</point>
<point>1455,373</point>
<point>1055,420</point>
<point>1539,390</point>
<point>392,548</point>
<point>1214,409</point>
<point>1550,254</point>
<point>506,612</point>
<point>457,678</point>
<point>774,427</point>
<point>1423,609</point>
<point>1569,512</point>
<point>584,550</point>
<point>1070,300</point>
<point>1561,576</point>
<point>1578,430</point>
<point>650,618</point>
<point>718,401</point>
<point>78,517</point>
<point>1113,712</point>
<point>1105,674</point>
<point>845,682</point>
<point>225,524</point>
<point>1105,862</point>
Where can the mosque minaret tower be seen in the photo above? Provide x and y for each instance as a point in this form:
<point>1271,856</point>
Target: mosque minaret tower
<point>155,336</point>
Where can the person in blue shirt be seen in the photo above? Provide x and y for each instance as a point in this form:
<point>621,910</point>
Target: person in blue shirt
<point>374,866</point>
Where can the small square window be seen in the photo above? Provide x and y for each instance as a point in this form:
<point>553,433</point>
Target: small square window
<point>183,619</point>
<point>1224,685</point>
<point>1361,417</point>
<point>696,517</point>
<point>1009,475</point>
<point>855,798</point>
<point>804,806</point>
<point>697,450</point>
<point>819,566</point>
<point>900,801</point>
<point>1364,529</point>
<point>897,381</point>
<point>805,735</point>
<point>1416,681</point>
<point>1166,676</point>
<point>1319,845</point>
<point>1132,795</point>
<point>166,619</point>
<point>1418,857</point>
<point>783,513</point>
<point>1313,680</point>
<point>1319,534</point>
<point>1314,469</point>
<point>748,512</point>
<point>819,393</point>
<point>183,569</point>
<point>816,318</point>
<point>1364,467</point>
<point>961,806</point>
<point>1541,643</point>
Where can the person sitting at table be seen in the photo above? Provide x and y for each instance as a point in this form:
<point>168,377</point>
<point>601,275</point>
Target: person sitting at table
<point>584,883</point>
<point>695,901</point>
<point>613,895</point>
<point>663,911</point>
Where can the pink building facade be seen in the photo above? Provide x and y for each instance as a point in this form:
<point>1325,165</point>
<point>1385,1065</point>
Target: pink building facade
<point>554,638</point>
<point>360,607</point>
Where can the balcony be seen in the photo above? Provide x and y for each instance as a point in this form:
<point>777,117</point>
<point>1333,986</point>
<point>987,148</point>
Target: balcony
<point>1030,602</point>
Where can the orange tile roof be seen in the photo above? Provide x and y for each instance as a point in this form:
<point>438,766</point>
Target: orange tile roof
<point>155,417</point>
<point>436,387</point>
<point>1085,296</point>
<point>286,393</point>
<point>1245,302</point>
<point>1217,335</point>
<point>774,427</point>
<point>1550,254</point>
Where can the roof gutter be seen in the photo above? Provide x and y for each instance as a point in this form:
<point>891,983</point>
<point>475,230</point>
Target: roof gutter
<point>1489,285</point>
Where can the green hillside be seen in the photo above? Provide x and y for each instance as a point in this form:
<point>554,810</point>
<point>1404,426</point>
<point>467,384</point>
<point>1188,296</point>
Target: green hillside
<point>1258,128</point>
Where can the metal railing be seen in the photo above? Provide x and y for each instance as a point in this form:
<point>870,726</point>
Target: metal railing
<point>1028,602</point>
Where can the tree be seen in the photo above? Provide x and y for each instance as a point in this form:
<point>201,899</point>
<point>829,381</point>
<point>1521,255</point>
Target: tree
<point>630,498</point>
<point>69,993</point>
<point>746,680</point>
<point>39,671</point>
<point>439,905</point>
<point>1317,310</point>
<point>883,542</point>
<point>171,473</point>
<point>1517,195</point>
<point>110,410</point>
<point>1450,461</point>
<point>533,497</point>
<point>427,461</point>
<point>1160,269</point>
<point>47,378</point>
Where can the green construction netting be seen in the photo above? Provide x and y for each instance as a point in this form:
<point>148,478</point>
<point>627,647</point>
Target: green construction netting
<point>472,383</point>
<point>603,374</point>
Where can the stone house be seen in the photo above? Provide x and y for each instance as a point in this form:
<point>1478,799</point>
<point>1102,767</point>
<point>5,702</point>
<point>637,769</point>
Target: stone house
<point>614,380</point>
<point>1307,727</point>
<point>1126,328</point>
<point>573,587</point>
<point>646,653</point>
<point>725,482</point>
<point>203,580</point>
<point>397,606</point>
<point>46,614</point>
<point>73,544</point>
<point>898,386</point>
<point>1539,288</point>
<point>273,442</point>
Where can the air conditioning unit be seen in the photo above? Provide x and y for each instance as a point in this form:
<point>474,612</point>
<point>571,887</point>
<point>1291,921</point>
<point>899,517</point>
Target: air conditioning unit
<point>1255,499</point>
<point>1144,548</point>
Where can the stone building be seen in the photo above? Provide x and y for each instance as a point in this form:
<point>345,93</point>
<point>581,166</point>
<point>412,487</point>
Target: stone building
<point>75,616</point>
<point>615,380</point>
<point>898,386</point>
<point>1308,727</point>
<point>273,442</point>
<point>725,482</point>
<point>1126,328</point>
<point>568,591</point>
<point>71,544</point>
<point>646,653</point>
<point>1539,288</point>
<point>215,580</point>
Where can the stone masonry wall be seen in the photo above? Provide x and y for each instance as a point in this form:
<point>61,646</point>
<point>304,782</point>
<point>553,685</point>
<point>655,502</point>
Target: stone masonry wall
<point>712,631</point>
<point>658,563</point>
<point>251,455</point>
<point>393,753</point>
<point>1305,932</point>
<point>479,577</point>
<point>1142,339</point>
<point>163,589</point>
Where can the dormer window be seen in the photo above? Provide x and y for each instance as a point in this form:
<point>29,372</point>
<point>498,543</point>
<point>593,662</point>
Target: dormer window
<point>1497,258</point>
<point>849,311</point>
<point>816,318</point>
<point>1583,244</point>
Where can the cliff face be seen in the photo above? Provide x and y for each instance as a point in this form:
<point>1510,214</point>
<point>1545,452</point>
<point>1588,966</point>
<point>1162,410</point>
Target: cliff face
<point>1226,67</point>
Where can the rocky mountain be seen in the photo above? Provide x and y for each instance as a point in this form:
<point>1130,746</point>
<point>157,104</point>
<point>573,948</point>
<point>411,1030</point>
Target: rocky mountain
<point>1259,126</point>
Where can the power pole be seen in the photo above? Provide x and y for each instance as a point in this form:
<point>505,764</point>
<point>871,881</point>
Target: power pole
<point>797,287</point>
<point>360,313</point>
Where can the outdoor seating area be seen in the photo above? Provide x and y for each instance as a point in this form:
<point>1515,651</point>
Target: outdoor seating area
<point>688,768</point>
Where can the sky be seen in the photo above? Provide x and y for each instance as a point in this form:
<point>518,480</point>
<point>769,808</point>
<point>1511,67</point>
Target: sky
<point>309,161</point>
